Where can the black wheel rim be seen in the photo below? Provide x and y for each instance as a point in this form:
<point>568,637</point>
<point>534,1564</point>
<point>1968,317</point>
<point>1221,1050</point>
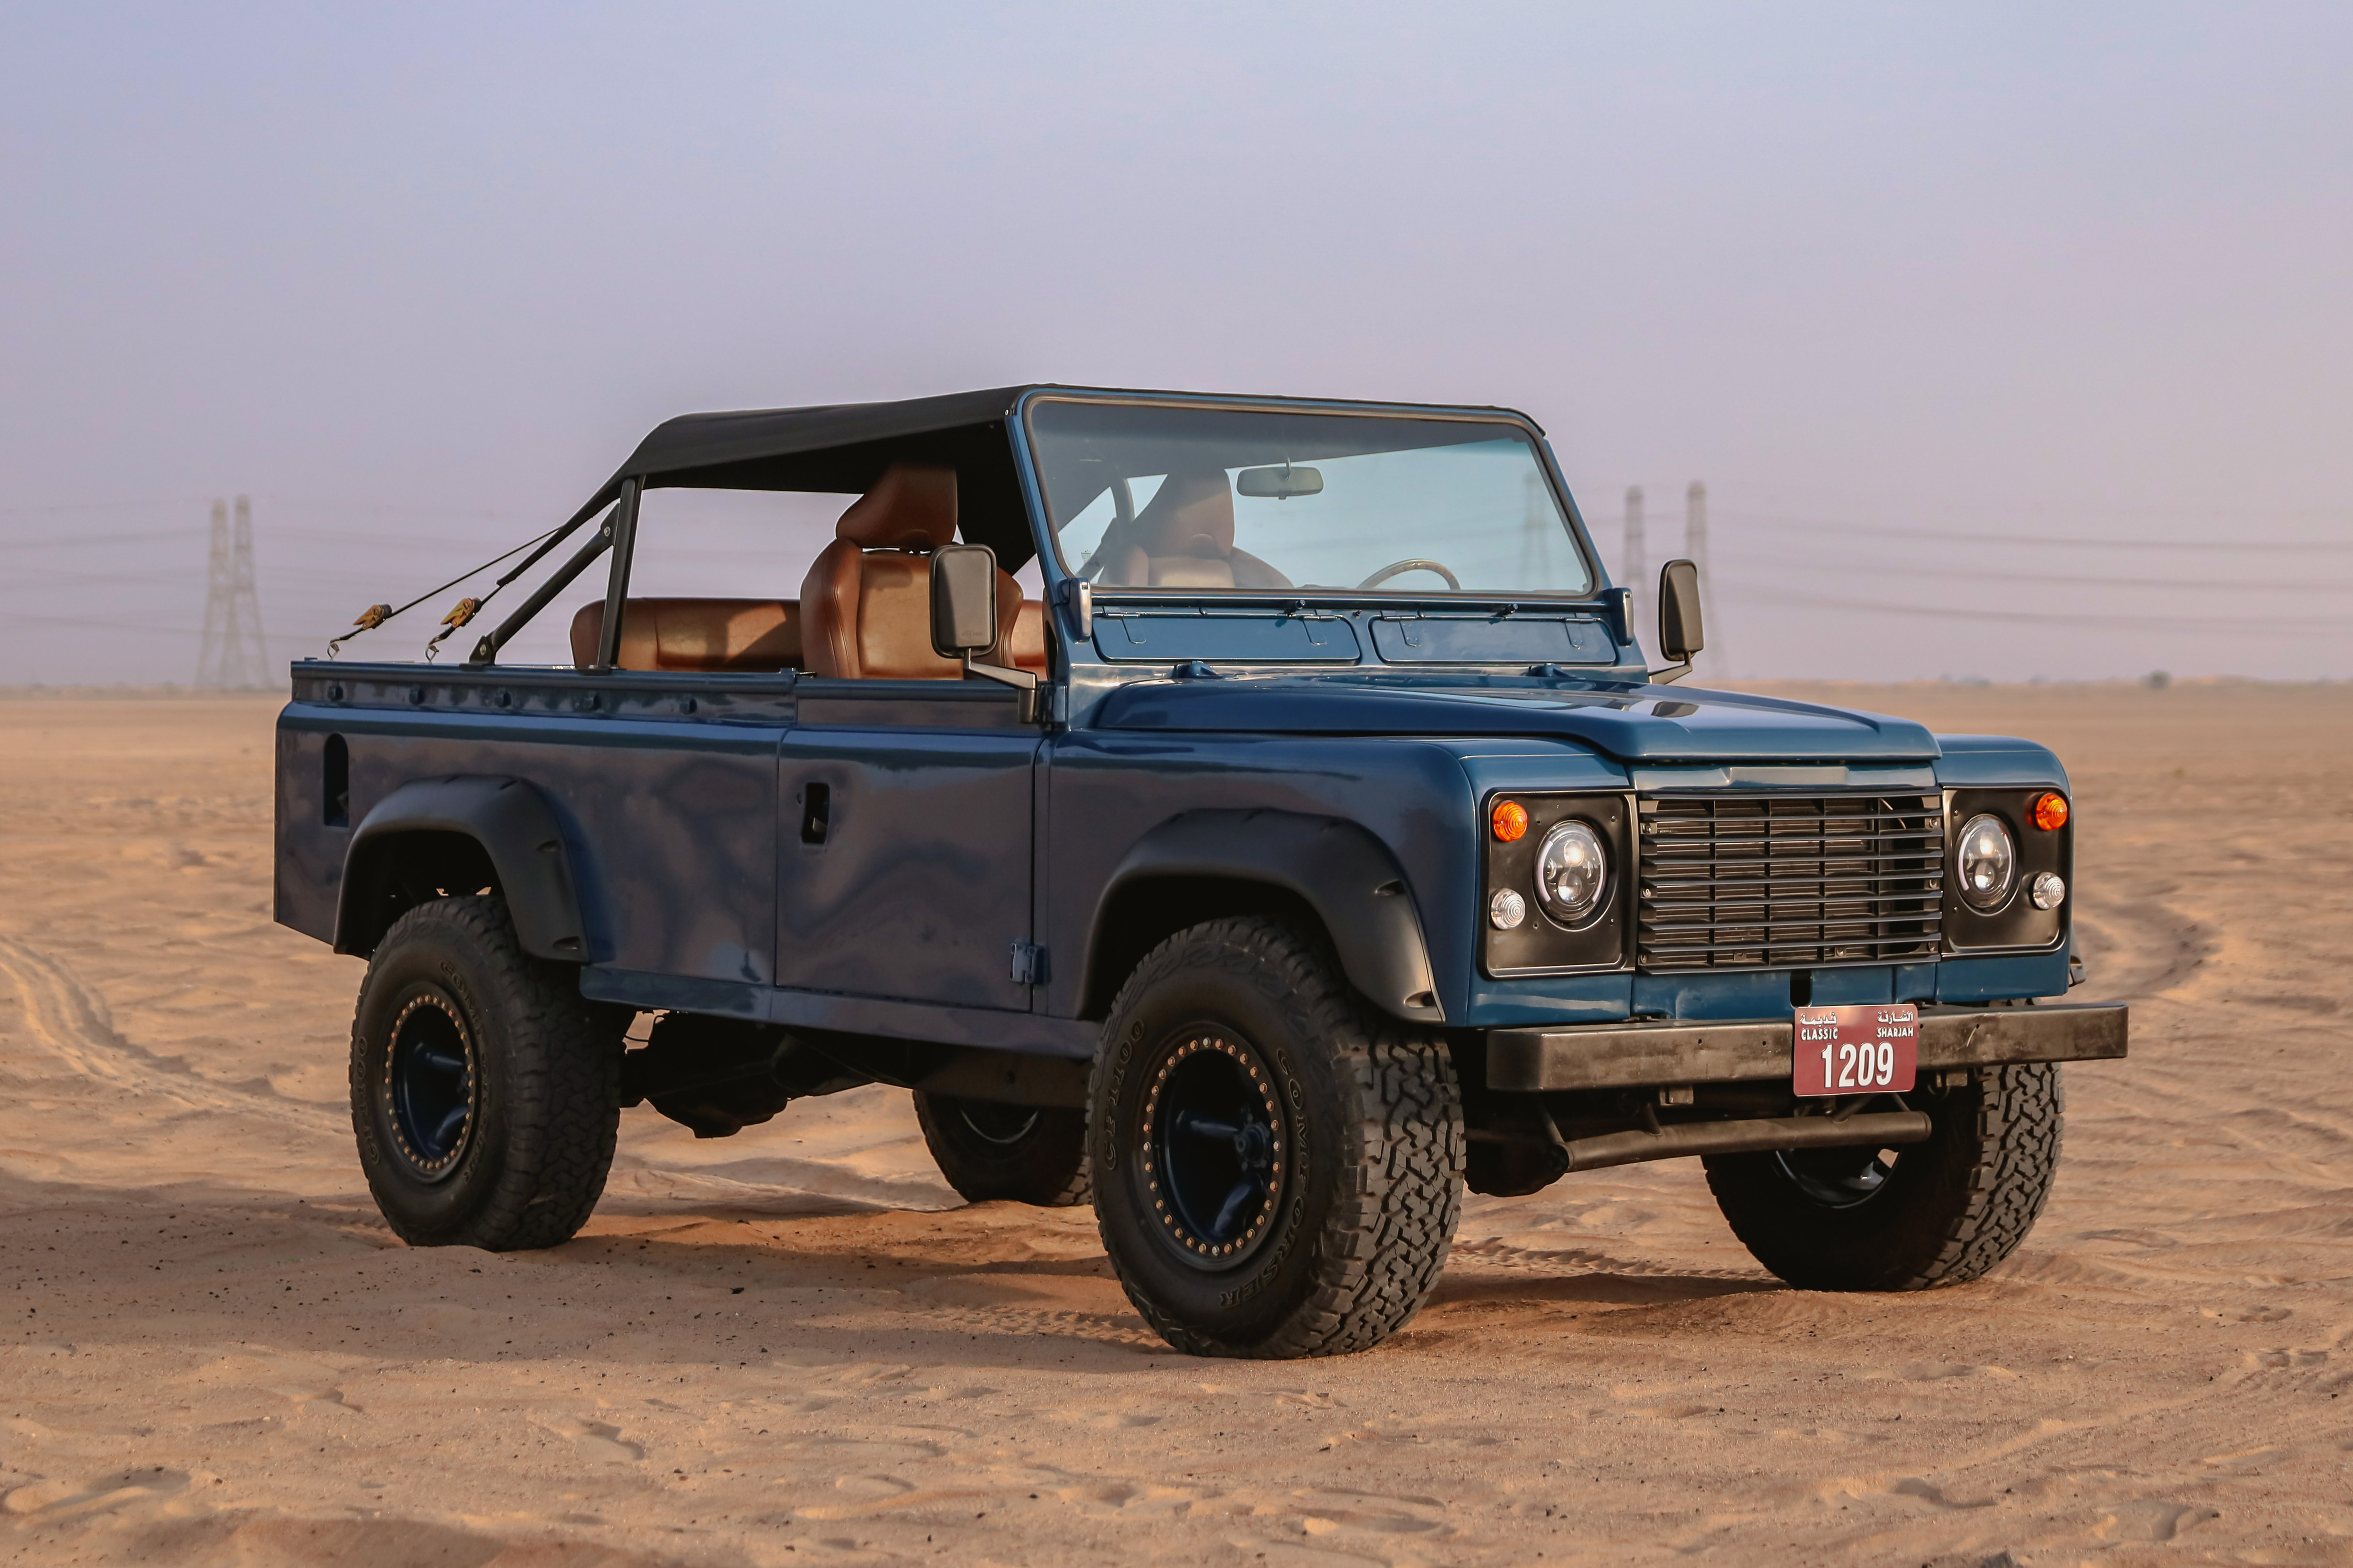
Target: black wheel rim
<point>1213,1148</point>
<point>1002,1126</point>
<point>430,1084</point>
<point>1838,1178</point>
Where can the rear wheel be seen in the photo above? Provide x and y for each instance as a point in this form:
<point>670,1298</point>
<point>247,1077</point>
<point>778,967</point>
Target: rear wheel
<point>1277,1166</point>
<point>1939,1213</point>
<point>1027,1153</point>
<point>485,1091</point>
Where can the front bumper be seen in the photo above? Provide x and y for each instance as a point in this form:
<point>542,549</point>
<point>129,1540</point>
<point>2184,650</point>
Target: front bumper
<point>1645,1055</point>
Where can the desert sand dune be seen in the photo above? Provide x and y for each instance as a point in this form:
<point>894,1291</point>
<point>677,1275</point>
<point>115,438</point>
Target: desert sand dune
<point>795,1345</point>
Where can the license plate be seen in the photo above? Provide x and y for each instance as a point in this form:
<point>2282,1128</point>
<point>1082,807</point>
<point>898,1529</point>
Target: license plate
<point>1857,1050</point>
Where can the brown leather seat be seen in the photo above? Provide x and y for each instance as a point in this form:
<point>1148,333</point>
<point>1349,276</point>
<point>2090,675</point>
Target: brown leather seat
<point>866,605</point>
<point>741,635</point>
<point>1185,539</point>
<point>1028,645</point>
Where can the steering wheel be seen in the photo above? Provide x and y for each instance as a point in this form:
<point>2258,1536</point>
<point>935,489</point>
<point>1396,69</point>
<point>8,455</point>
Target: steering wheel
<point>1416,564</point>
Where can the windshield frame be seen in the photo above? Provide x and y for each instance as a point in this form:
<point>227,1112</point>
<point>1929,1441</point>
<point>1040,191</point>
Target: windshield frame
<point>1050,544</point>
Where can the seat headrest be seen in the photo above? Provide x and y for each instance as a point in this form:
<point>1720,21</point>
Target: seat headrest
<point>1190,514</point>
<point>912,508</point>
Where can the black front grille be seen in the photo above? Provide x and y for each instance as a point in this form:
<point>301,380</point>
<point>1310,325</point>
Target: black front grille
<point>1790,882</point>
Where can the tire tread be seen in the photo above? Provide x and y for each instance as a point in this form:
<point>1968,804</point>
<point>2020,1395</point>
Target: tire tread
<point>1385,1241</point>
<point>2021,1121</point>
<point>2000,1166</point>
<point>563,1068</point>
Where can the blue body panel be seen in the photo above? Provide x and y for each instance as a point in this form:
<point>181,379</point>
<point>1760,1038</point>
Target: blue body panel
<point>1627,720</point>
<point>961,845</point>
<point>927,851</point>
<point>1110,789</point>
<point>672,822</point>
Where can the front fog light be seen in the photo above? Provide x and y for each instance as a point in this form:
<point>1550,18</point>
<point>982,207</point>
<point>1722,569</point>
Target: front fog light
<point>2050,891</point>
<point>1506,910</point>
<point>1987,863</point>
<point>1571,872</point>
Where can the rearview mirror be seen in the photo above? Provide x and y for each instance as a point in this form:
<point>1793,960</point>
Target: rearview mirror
<point>1281,483</point>
<point>964,600</point>
<point>1681,635</point>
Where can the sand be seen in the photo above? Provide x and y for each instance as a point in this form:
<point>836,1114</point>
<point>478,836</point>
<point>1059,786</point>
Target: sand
<point>795,1345</point>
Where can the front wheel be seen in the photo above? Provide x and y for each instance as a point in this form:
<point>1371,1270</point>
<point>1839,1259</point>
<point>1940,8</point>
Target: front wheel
<point>485,1091</point>
<point>1939,1213</point>
<point>1278,1166</point>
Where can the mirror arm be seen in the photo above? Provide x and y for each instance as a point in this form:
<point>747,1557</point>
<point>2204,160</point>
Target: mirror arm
<point>1668,676</point>
<point>1022,680</point>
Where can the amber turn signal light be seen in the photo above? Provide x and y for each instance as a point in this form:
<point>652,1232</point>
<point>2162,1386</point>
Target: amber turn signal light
<point>2048,811</point>
<point>1511,821</point>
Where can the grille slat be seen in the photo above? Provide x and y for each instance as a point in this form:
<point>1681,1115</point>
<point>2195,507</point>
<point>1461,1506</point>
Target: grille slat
<point>1772,862</point>
<point>1862,824</point>
<point>1840,912</point>
<point>1883,947</point>
<point>1788,881</point>
<point>1732,889</point>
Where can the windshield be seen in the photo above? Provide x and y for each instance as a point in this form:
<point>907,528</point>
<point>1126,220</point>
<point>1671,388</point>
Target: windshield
<point>1155,497</point>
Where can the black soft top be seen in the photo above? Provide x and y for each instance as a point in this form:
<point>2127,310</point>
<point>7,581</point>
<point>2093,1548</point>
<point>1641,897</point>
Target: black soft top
<point>836,448</point>
<point>843,447</point>
<point>818,447</point>
<point>729,449</point>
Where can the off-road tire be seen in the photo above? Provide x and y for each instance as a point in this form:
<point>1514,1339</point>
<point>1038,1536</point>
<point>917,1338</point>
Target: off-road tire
<point>1027,1154</point>
<point>544,1077</point>
<point>1950,1209</point>
<point>1370,1123</point>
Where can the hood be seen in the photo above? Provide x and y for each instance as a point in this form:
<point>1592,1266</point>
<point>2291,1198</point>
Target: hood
<point>1630,721</point>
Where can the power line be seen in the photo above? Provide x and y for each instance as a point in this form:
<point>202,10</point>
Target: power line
<point>69,508</point>
<point>2235,586</point>
<point>1877,530</point>
<point>2071,617</point>
<point>290,639</point>
<point>73,540</point>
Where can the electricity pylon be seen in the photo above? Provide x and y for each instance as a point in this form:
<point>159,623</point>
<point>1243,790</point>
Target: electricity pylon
<point>1635,550</point>
<point>234,654</point>
<point>1695,547</point>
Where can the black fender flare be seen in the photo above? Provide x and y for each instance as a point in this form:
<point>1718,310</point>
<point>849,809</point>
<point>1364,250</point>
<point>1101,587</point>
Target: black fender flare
<point>517,828</point>
<point>1344,873</point>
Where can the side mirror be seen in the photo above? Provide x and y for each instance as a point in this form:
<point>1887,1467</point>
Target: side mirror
<point>1681,634</point>
<point>964,618</point>
<point>964,600</point>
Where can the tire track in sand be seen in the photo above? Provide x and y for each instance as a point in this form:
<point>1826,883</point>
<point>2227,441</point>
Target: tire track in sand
<point>74,1023</point>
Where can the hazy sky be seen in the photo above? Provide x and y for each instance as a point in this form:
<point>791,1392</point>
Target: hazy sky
<point>1913,290</point>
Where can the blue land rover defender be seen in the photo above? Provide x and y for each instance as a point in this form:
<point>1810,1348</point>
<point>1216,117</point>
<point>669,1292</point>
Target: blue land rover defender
<point>1318,841</point>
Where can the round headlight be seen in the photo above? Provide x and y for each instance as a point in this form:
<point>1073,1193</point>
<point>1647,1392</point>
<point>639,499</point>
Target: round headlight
<point>1572,872</point>
<point>1987,863</point>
